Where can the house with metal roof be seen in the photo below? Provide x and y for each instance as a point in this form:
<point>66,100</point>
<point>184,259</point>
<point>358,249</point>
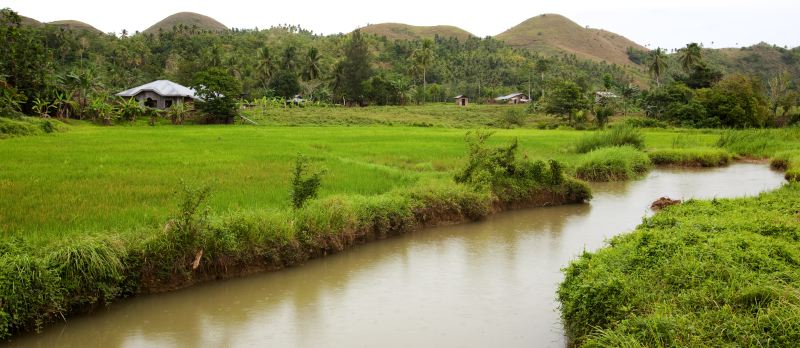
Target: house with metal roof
<point>462,100</point>
<point>160,94</point>
<point>514,98</point>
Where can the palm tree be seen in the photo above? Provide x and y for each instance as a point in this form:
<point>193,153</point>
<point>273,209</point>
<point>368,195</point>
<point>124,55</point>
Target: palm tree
<point>691,56</point>
<point>422,58</point>
<point>265,65</point>
<point>312,70</point>
<point>658,64</point>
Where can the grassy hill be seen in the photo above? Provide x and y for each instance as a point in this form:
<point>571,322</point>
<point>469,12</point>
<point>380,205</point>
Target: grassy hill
<point>188,19</point>
<point>30,21</point>
<point>553,34</point>
<point>75,25</point>
<point>762,59</point>
<point>399,31</point>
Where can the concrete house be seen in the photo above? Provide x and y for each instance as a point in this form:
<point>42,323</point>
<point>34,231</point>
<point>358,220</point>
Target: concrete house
<point>462,100</point>
<point>160,94</point>
<point>514,98</point>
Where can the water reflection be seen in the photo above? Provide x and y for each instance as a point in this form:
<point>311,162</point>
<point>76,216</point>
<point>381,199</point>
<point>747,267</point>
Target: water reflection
<point>490,283</point>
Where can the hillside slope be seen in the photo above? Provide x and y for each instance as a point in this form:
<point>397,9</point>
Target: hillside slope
<point>762,59</point>
<point>399,31</point>
<point>189,20</point>
<point>553,34</point>
<point>75,25</point>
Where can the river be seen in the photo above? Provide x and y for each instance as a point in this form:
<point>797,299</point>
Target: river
<point>490,283</point>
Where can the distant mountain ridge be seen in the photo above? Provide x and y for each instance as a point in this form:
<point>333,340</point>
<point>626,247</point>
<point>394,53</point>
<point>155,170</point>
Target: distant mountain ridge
<point>400,31</point>
<point>553,34</point>
<point>75,25</point>
<point>189,20</point>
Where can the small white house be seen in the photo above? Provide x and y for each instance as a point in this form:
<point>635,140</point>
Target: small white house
<point>514,98</point>
<point>160,94</point>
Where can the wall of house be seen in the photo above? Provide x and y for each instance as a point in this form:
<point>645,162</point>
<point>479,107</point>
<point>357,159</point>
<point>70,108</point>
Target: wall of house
<point>160,101</point>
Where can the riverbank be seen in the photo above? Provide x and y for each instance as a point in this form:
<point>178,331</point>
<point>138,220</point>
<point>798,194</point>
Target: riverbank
<point>703,273</point>
<point>70,262</point>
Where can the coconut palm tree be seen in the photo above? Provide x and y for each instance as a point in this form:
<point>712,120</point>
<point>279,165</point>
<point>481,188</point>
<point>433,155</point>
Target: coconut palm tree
<point>265,65</point>
<point>311,66</point>
<point>658,64</point>
<point>691,56</point>
<point>423,58</point>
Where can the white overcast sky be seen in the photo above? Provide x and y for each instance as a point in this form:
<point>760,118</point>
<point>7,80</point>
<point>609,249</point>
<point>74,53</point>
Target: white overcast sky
<point>666,23</point>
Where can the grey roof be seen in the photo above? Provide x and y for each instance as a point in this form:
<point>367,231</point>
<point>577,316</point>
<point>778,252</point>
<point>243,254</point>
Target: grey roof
<point>164,88</point>
<point>507,97</point>
<point>460,96</point>
<point>605,94</point>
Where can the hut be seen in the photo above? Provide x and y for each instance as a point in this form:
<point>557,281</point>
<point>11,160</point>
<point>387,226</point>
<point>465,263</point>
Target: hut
<point>160,94</point>
<point>462,100</point>
<point>603,96</point>
<point>514,98</point>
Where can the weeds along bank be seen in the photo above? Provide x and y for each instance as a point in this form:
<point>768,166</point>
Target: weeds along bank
<point>703,273</point>
<point>43,282</point>
<point>381,181</point>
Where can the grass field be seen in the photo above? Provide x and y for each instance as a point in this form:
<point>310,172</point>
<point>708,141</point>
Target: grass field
<point>93,179</point>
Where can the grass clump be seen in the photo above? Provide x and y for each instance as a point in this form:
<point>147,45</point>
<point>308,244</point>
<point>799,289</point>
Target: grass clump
<point>25,126</point>
<point>759,142</point>
<point>613,164</point>
<point>691,157</point>
<point>705,273</point>
<point>617,136</point>
<point>788,161</point>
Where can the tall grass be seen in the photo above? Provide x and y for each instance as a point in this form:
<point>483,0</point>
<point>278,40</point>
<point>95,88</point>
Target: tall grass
<point>759,143</point>
<point>613,164</point>
<point>617,136</point>
<point>691,157</point>
<point>705,273</point>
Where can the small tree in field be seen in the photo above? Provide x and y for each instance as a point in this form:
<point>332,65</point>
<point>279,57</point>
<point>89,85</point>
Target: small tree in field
<point>218,91</point>
<point>566,99</point>
<point>304,185</point>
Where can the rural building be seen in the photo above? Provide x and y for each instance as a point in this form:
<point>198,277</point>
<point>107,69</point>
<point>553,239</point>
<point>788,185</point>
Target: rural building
<point>462,100</point>
<point>160,94</point>
<point>601,96</point>
<point>514,98</point>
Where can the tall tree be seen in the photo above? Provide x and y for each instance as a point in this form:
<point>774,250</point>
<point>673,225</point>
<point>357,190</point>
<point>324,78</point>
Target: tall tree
<point>690,56</point>
<point>311,64</point>
<point>265,65</point>
<point>658,64</point>
<point>422,59</point>
<point>354,69</point>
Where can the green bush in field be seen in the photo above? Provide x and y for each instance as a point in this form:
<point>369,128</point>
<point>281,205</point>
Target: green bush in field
<point>498,170</point>
<point>701,274</point>
<point>617,136</point>
<point>613,164</point>
<point>304,185</point>
<point>691,157</point>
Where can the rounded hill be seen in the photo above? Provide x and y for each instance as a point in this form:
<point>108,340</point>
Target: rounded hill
<point>400,31</point>
<point>553,34</point>
<point>189,20</point>
<point>75,25</point>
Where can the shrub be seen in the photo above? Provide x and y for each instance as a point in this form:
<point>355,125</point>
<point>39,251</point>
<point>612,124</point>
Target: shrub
<point>613,164</point>
<point>304,185</point>
<point>693,157</point>
<point>617,136</point>
<point>513,118</point>
<point>644,122</point>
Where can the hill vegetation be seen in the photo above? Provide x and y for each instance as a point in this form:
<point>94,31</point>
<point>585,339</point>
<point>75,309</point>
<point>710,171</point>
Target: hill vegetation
<point>188,20</point>
<point>399,31</point>
<point>75,25</point>
<point>553,34</point>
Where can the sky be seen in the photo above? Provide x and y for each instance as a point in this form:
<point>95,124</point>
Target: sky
<point>667,23</point>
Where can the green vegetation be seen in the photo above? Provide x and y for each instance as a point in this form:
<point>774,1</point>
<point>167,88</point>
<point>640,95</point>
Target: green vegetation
<point>28,126</point>
<point>399,31</point>
<point>788,161</point>
<point>703,273</point>
<point>691,157</point>
<point>617,136</point>
<point>617,163</point>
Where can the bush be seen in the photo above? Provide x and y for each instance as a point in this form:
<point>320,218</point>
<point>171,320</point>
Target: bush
<point>513,118</point>
<point>644,122</point>
<point>617,136</point>
<point>304,185</point>
<point>693,157</point>
<point>25,126</point>
<point>613,164</point>
<point>737,102</point>
<point>701,274</point>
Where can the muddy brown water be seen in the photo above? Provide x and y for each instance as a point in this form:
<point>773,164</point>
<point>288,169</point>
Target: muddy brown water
<point>490,283</point>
